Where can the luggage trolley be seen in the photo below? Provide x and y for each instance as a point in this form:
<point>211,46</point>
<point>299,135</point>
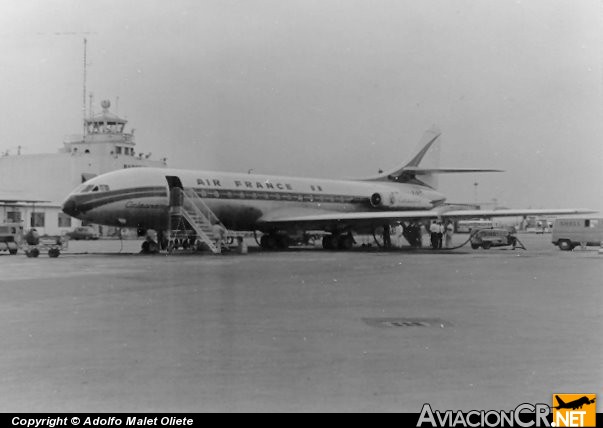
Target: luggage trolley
<point>33,245</point>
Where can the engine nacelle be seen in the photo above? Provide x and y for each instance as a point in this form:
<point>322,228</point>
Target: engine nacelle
<point>395,200</point>
<point>376,200</point>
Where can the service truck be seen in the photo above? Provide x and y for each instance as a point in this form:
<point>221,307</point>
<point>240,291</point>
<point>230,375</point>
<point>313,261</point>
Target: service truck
<point>569,233</point>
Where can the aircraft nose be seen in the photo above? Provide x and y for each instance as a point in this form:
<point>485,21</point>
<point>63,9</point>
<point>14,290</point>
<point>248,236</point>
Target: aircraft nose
<point>70,207</point>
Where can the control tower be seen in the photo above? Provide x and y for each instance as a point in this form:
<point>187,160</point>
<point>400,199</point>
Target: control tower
<point>105,135</point>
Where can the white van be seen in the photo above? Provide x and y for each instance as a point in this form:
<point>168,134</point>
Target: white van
<point>568,233</point>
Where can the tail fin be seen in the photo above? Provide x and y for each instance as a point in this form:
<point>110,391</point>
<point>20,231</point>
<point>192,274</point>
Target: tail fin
<point>560,401</point>
<point>427,155</point>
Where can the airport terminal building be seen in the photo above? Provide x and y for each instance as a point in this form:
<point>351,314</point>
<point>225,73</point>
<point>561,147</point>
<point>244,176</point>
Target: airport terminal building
<point>33,186</point>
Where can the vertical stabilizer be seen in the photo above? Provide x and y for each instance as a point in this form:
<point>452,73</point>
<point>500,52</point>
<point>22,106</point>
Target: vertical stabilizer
<point>424,168</point>
<point>427,156</point>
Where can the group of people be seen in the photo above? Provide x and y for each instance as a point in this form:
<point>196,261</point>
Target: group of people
<point>441,235</point>
<point>413,233</point>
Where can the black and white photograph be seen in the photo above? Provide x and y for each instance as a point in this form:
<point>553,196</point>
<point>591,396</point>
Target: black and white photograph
<point>316,206</point>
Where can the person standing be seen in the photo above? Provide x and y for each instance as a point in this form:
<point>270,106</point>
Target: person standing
<point>422,233</point>
<point>441,231</point>
<point>434,229</point>
<point>387,240</point>
<point>219,232</point>
<point>449,234</point>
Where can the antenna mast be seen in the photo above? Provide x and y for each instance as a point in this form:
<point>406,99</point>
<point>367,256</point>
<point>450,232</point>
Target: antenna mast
<point>84,94</point>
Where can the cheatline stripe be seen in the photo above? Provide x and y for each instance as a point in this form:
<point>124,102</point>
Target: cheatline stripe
<point>94,196</point>
<point>105,200</point>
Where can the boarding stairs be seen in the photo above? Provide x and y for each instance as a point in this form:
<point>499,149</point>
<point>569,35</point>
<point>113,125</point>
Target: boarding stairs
<point>194,218</point>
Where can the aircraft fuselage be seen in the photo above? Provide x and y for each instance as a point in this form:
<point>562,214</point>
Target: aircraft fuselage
<point>140,197</point>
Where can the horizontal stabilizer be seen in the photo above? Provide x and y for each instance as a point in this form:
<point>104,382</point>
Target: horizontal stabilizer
<point>427,171</point>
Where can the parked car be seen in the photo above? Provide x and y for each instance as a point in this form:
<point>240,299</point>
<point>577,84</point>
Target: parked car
<point>488,238</point>
<point>83,233</point>
<point>10,235</point>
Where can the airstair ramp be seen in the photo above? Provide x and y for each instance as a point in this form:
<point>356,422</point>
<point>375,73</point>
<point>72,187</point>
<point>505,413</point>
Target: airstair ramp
<point>195,213</point>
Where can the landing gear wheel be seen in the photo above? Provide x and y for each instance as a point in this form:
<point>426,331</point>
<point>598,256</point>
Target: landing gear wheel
<point>269,242</point>
<point>53,253</point>
<point>475,246</point>
<point>487,245</point>
<point>345,243</point>
<point>283,242</point>
<point>329,242</point>
<point>32,253</point>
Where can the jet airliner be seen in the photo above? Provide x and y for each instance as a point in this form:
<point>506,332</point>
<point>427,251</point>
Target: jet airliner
<point>282,206</point>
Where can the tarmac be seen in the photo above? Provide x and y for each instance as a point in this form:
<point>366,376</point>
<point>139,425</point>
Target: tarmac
<point>102,329</point>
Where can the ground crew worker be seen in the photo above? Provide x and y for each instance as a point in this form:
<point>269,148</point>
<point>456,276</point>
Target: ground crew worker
<point>449,234</point>
<point>434,229</point>
<point>387,240</point>
<point>219,232</point>
<point>241,245</point>
<point>441,231</point>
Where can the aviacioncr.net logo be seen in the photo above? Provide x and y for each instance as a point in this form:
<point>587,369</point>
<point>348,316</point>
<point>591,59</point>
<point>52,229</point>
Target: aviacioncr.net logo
<point>574,410</point>
<point>524,416</point>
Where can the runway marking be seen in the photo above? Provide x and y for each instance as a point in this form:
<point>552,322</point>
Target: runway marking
<point>406,322</point>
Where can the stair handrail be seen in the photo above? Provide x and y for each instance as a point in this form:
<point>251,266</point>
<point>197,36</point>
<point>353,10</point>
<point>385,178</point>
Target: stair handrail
<point>196,200</point>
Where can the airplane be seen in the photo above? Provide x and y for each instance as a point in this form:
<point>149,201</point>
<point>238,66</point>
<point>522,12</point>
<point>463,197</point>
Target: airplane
<point>281,207</point>
<point>574,405</point>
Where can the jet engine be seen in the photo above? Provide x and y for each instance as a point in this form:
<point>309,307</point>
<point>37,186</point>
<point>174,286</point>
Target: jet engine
<point>393,200</point>
<point>376,200</point>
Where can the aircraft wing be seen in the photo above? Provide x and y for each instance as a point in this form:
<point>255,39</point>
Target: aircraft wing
<point>14,197</point>
<point>320,218</point>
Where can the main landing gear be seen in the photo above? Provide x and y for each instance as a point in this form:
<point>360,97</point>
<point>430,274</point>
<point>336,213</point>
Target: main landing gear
<point>338,242</point>
<point>275,241</point>
<point>281,241</point>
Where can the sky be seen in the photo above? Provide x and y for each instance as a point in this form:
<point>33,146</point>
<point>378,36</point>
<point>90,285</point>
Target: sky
<point>324,88</point>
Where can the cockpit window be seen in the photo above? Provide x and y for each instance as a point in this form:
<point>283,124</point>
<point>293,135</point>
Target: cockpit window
<point>84,188</point>
<point>100,188</point>
<point>88,188</point>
